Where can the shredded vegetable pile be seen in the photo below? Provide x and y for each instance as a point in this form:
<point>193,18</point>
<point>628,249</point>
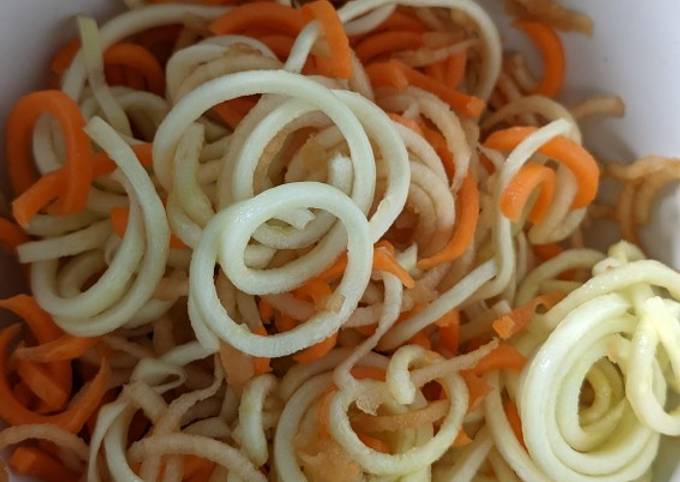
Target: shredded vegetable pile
<point>283,242</point>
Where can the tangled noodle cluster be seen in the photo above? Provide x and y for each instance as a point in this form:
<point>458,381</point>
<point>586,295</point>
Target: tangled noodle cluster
<point>280,243</point>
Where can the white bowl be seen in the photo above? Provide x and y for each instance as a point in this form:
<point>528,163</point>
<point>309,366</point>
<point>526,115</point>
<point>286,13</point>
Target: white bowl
<point>633,52</point>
